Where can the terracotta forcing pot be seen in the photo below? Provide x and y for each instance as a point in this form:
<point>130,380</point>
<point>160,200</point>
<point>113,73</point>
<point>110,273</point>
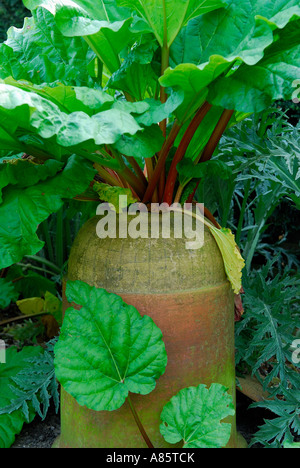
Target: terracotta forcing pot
<point>187,294</point>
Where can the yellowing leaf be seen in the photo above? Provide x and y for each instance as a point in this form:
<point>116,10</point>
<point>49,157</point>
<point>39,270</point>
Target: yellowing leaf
<point>112,195</point>
<point>233,261</point>
<point>53,306</point>
<point>36,305</point>
<point>32,305</point>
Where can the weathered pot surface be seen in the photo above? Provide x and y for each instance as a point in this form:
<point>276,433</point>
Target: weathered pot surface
<point>187,294</point>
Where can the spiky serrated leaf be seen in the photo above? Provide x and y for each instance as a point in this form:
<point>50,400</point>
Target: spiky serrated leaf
<point>275,431</point>
<point>271,319</point>
<point>12,423</point>
<point>31,384</point>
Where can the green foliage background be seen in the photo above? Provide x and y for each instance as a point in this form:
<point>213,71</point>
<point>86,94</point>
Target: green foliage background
<point>12,13</point>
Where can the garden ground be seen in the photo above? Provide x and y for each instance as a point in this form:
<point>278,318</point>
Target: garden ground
<point>42,434</point>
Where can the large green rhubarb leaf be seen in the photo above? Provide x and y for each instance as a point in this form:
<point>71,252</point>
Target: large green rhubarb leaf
<point>105,27</point>
<point>24,208</point>
<point>200,55</point>
<point>108,42</point>
<point>253,88</point>
<point>167,17</point>
<point>81,12</point>
<point>12,173</point>
<point>40,53</point>
<point>27,114</point>
<point>136,75</point>
<point>81,98</point>
<point>194,416</point>
<point>247,26</point>
<point>54,118</point>
<point>144,144</point>
<point>107,349</point>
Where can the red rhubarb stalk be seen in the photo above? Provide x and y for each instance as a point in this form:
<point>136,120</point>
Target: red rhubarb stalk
<point>181,150</point>
<point>213,142</point>
<point>216,135</point>
<point>161,162</point>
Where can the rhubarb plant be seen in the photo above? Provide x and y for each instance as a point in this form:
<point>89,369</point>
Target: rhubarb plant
<point>132,95</point>
<point>123,353</point>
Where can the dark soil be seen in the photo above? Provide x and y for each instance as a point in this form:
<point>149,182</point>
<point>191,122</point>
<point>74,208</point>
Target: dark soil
<point>42,434</point>
<point>39,434</point>
<point>249,419</point>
